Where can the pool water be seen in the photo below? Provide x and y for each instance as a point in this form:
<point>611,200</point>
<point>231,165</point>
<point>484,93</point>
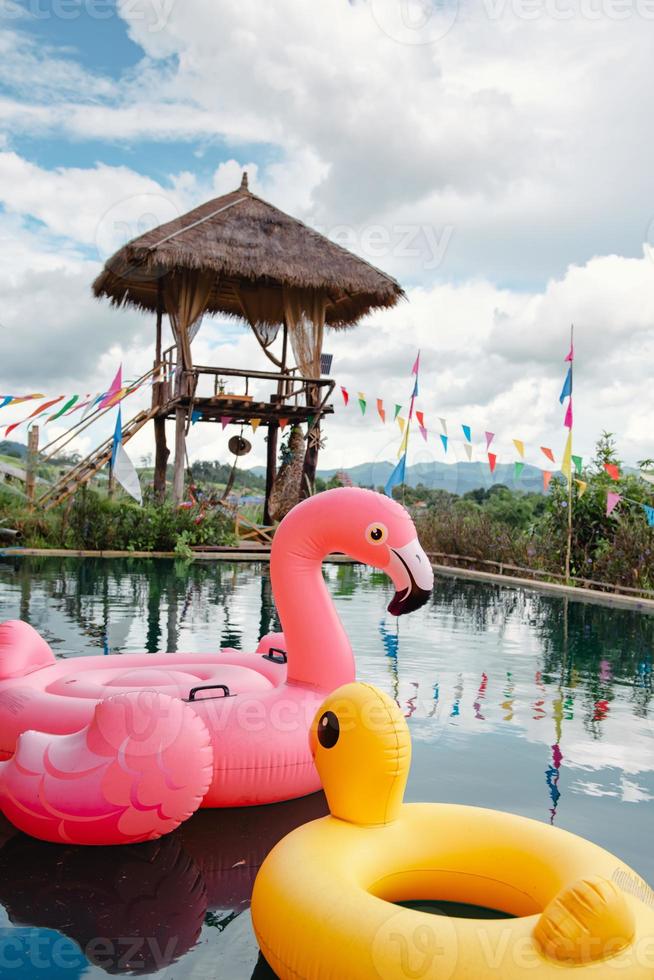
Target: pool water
<point>516,700</point>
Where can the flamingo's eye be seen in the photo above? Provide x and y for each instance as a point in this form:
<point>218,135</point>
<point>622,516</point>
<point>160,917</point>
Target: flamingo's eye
<point>376,533</point>
<point>328,730</point>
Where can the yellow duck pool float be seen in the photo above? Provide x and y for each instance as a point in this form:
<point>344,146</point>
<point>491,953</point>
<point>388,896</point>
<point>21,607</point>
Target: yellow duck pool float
<point>323,901</point>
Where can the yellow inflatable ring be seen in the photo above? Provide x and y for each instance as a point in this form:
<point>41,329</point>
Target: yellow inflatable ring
<point>322,901</point>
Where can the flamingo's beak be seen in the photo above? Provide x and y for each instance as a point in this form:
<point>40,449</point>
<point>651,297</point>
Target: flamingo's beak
<point>412,576</point>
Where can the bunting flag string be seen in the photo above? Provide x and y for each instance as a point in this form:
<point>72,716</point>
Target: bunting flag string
<point>90,404</point>
<point>397,477</point>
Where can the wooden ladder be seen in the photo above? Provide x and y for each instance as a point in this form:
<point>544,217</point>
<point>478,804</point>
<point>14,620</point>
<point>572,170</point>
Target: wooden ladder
<point>87,468</point>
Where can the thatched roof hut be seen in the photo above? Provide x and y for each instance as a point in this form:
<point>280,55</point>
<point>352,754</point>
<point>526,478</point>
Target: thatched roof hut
<point>247,244</point>
<point>242,257</point>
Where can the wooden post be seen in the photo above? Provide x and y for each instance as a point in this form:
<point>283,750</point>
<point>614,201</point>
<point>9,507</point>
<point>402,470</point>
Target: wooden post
<point>161,449</point>
<point>310,462</point>
<point>271,468</point>
<point>161,459</point>
<point>32,459</point>
<point>180,453</point>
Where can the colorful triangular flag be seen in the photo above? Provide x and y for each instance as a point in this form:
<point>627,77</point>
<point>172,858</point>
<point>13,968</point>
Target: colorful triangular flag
<point>114,389</point>
<point>612,470</point>
<point>582,485</point>
<point>396,477</point>
<point>362,402</point>
<point>578,464</point>
<point>444,441</point>
<point>489,438</point>
<point>518,467</point>
<point>468,449</point>
<point>520,446</point>
<point>423,432</point>
<point>255,423</point>
<point>381,410</point>
<point>649,514</point>
<point>492,460</point>
<point>225,420</point>
<point>467,433</point>
<point>566,391</point>
<point>548,452</point>
<point>547,476</point>
<point>345,394</point>
<point>612,501</point>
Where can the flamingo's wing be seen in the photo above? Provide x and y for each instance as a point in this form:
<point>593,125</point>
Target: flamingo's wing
<point>141,767</point>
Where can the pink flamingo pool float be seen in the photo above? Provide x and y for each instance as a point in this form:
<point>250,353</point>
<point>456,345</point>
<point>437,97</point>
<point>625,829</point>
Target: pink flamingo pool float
<point>118,749</point>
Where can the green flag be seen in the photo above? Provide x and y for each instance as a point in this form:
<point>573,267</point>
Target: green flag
<point>577,460</point>
<point>519,467</point>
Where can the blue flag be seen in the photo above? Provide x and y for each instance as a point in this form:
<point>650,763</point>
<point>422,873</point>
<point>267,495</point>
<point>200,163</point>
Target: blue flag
<point>118,437</point>
<point>6,400</point>
<point>415,389</point>
<point>196,415</point>
<point>396,477</point>
<point>444,441</point>
<point>566,391</point>
<point>649,514</point>
<point>466,432</point>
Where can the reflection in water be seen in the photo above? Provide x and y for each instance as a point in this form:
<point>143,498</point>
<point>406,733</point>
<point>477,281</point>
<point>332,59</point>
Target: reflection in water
<point>139,908</point>
<point>559,691</point>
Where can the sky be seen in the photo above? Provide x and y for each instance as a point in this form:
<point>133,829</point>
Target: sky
<point>493,155</point>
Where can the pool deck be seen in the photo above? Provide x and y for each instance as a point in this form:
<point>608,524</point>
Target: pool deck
<point>253,552</point>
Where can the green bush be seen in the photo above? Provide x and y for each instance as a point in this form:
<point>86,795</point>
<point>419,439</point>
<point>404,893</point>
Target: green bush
<point>95,523</point>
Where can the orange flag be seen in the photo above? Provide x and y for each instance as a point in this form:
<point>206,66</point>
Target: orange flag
<point>547,476</point>
<point>381,409</point>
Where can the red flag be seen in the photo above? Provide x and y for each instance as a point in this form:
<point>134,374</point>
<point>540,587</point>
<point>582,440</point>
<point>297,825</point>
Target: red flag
<point>381,409</point>
<point>492,460</point>
<point>37,411</point>
<point>421,419</point>
<point>548,452</point>
<point>612,470</point>
<point>547,476</point>
<point>283,423</point>
<point>345,395</point>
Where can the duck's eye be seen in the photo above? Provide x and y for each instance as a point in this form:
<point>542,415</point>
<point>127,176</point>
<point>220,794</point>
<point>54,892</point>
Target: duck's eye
<point>328,730</point>
<point>376,533</point>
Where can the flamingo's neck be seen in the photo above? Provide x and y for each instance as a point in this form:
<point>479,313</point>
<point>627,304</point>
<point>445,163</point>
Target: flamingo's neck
<point>319,652</point>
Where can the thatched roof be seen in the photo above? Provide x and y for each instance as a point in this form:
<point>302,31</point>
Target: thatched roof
<point>249,244</point>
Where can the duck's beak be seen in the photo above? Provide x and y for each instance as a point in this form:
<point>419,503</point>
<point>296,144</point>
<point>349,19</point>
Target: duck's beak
<point>412,576</point>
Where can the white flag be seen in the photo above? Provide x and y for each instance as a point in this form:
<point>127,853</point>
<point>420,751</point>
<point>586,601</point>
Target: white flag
<point>126,475</point>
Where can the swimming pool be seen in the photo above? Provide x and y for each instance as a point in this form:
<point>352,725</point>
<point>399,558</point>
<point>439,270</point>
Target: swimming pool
<point>516,700</point>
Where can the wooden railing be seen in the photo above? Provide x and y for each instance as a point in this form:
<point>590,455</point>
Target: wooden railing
<point>291,388</point>
<point>506,568</point>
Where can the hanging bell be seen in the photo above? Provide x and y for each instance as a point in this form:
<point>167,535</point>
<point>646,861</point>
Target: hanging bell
<point>239,446</point>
